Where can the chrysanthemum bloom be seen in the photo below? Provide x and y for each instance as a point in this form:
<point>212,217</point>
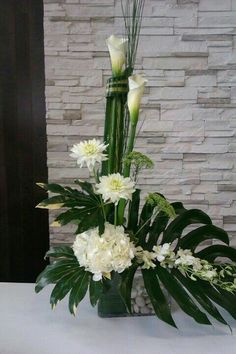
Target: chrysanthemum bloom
<point>100,255</point>
<point>89,152</point>
<point>114,187</point>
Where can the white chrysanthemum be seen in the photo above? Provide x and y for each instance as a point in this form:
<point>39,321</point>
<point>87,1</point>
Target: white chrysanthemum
<point>100,255</point>
<point>114,187</point>
<point>89,152</point>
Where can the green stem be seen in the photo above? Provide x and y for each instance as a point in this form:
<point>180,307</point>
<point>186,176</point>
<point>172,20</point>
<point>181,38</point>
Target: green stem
<point>130,147</point>
<point>112,140</point>
<point>115,215</point>
<point>100,197</point>
<point>126,172</point>
<point>146,222</point>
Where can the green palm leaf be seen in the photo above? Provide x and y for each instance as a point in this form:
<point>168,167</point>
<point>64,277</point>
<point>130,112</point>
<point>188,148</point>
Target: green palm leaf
<point>78,291</point>
<point>197,292</point>
<point>158,300</point>
<point>63,286</point>
<point>95,291</point>
<point>212,252</point>
<point>181,296</point>
<point>218,297</point>
<point>126,285</point>
<point>176,227</point>
<point>53,272</point>
<point>134,211</point>
<point>61,252</point>
<point>206,232</point>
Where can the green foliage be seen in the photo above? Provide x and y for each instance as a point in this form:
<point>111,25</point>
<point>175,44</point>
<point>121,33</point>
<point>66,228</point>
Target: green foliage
<point>67,275</point>
<point>85,208</point>
<point>137,162</point>
<point>132,13</point>
<point>155,227</point>
<point>158,299</point>
<point>126,285</point>
<point>95,291</point>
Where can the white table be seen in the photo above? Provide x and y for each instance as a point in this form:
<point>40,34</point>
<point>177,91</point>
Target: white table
<point>29,326</point>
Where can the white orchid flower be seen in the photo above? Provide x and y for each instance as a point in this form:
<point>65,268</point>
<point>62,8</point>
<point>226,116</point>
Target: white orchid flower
<point>136,90</point>
<point>117,49</point>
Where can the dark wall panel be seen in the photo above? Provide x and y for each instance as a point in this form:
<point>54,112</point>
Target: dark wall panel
<point>23,229</point>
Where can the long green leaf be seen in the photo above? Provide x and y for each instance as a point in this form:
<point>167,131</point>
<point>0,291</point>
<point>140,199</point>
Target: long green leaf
<point>212,252</point>
<point>158,300</point>
<point>57,199</point>
<point>90,220</point>
<point>178,207</point>
<point>160,222</point>
<point>218,298</point>
<point>126,285</point>
<point>133,211</point>
<point>181,296</point>
<point>53,272</point>
<point>176,227</point>
<point>206,232</point>
<point>86,186</point>
<point>196,291</point>
<point>156,229</point>
<point>63,286</point>
<point>61,251</point>
<point>52,187</point>
<point>144,222</point>
<point>95,291</point>
<point>78,291</point>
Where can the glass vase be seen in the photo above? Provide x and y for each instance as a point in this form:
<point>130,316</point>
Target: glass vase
<point>112,305</point>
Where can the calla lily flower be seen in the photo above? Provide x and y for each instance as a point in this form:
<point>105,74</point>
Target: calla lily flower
<point>117,49</point>
<point>136,90</point>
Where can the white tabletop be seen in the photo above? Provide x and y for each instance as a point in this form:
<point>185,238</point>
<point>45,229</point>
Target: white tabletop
<point>29,326</point>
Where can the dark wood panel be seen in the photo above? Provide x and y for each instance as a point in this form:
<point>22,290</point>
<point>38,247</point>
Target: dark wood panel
<point>24,229</point>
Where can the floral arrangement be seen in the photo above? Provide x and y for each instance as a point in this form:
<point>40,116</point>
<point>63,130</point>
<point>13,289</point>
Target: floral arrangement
<point>115,235</point>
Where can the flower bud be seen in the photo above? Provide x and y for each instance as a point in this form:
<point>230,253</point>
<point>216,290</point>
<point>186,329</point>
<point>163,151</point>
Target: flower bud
<point>117,49</point>
<point>136,90</point>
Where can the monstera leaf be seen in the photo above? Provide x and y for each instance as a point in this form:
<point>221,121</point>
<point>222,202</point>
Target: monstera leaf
<point>197,298</point>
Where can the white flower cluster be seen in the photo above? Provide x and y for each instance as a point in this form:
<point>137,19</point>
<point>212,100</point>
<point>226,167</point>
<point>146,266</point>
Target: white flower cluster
<point>183,260</point>
<point>102,254</point>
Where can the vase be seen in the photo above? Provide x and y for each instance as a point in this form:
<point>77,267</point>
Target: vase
<point>112,305</point>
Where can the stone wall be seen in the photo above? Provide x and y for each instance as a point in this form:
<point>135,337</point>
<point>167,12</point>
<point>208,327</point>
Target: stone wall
<point>188,53</point>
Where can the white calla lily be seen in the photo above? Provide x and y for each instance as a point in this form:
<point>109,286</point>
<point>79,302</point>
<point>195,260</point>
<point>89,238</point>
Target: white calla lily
<point>117,49</point>
<point>136,90</point>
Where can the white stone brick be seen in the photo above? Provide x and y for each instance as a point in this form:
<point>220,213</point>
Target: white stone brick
<point>89,11</point>
<point>214,5</point>
<point>175,63</point>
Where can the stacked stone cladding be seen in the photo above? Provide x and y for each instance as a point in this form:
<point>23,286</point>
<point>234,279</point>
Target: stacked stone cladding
<point>187,126</point>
